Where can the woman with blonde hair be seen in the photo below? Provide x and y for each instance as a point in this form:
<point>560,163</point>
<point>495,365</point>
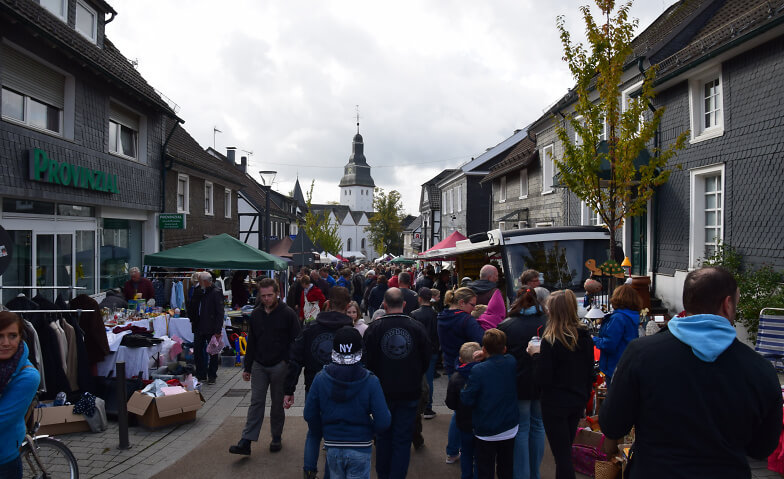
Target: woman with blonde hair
<point>563,368</point>
<point>353,312</point>
<point>456,327</point>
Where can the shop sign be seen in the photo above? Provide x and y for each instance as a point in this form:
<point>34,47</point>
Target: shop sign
<point>171,221</point>
<point>44,169</point>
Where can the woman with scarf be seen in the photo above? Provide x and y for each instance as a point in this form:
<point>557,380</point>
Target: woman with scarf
<point>524,321</point>
<point>18,384</point>
<point>618,329</point>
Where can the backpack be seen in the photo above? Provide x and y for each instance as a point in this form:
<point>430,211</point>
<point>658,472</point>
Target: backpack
<point>584,457</point>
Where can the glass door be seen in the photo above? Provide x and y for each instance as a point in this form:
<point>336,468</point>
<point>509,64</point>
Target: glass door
<point>65,269</point>
<point>44,264</point>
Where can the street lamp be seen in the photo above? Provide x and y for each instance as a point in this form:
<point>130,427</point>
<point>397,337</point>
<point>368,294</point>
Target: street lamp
<point>267,177</point>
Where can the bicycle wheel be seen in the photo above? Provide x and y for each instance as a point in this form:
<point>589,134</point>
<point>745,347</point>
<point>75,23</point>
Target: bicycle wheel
<point>55,460</point>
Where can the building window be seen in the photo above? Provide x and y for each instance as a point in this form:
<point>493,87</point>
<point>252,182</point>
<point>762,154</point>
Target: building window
<point>707,212</point>
<point>626,102</point>
<point>523,184</point>
<point>58,7</point>
<point>123,131</point>
<point>208,206</point>
<point>548,169</point>
<point>502,190</point>
<point>706,105</point>
<point>589,216</point>
<point>183,185</point>
<point>348,244</point>
<point>86,21</point>
<point>363,243</point>
<point>452,200</point>
<point>460,198</point>
<point>227,203</point>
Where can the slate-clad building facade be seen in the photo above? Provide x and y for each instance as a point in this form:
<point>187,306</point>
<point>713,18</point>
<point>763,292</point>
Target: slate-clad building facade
<point>81,137</point>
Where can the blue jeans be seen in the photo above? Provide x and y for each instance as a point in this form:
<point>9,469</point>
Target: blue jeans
<point>453,438</point>
<point>429,376</point>
<point>529,443</point>
<point>12,469</point>
<point>393,446</point>
<point>467,462</point>
<point>348,462</point>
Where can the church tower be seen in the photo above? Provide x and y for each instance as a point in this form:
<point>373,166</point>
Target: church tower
<point>356,186</point>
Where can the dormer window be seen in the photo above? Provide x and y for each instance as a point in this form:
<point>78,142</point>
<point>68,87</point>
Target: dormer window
<point>86,21</point>
<point>59,8</point>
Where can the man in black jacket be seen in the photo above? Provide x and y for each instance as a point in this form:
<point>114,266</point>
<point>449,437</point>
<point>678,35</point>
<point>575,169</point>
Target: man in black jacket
<point>206,314</point>
<point>410,297</point>
<point>700,400</point>
<point>313,350</point>
<point>428,318</point>
<point>272,328</point>
<point>398,351</point>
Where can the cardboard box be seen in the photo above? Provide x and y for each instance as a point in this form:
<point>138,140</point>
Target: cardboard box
<point>165,411</point>
<point>60,420</point>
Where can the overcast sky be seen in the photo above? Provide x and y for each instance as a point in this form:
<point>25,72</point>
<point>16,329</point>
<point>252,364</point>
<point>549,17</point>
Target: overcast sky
<point>437,82</point>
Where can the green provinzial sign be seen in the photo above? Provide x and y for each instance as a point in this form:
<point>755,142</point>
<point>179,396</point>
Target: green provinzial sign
<point>171,221</point>
<point>43,168</point>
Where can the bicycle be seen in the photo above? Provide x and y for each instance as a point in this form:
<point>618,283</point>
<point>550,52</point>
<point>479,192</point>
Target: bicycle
<point>45,457</point>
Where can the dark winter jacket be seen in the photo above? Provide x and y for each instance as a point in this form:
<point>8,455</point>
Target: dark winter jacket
<point>357,287</point>
<point>346,404</point>
<point>94,332</point>
<point>428,318</point>
<point>693,417</point>
<point>114,300</point>
<point>144,286</point>
<point>206,311</point>
<point>295,292</point>
<point>412,301</point>
<point>398,352</point>
<point>456,327</point>
<point>617,331</point>
<point>566,377</point>
<point>270,335</point>
<point>423,282</point>
<point>457,382</point>
<point>313,348</point>
<point>492,396</point>
<point>519,330</point>
<point>484,290</point>
<point>376,297</point>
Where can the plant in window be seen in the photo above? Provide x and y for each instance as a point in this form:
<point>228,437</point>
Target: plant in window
<point>611,181</point>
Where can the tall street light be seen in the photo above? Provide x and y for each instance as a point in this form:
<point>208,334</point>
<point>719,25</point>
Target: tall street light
<point>267,177</point>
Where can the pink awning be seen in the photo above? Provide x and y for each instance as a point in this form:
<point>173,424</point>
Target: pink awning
<point>448,242</point>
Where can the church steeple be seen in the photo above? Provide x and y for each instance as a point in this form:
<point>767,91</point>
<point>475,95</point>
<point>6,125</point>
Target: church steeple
<point>357,186</point>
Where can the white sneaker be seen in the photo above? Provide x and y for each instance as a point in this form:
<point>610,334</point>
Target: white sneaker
<point>452,459</point>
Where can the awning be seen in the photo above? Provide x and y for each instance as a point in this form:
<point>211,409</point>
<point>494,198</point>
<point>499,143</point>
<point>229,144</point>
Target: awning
<point>353,254</point>
<point>218,252</point>
<point>448,242</point>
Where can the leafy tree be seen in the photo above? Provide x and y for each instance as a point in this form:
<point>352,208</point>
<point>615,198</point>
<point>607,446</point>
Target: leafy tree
<point>386,230</point>
<point>609,181</point>
<point>322,232</point>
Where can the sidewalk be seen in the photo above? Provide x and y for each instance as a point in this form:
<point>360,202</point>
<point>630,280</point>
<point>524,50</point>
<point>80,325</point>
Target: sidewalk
<point>226,401</point>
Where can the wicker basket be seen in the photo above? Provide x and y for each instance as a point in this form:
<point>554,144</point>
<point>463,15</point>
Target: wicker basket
<point>607,469</point>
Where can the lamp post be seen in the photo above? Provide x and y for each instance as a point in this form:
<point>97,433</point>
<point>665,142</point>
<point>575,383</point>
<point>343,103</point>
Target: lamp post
<point>267,177</point>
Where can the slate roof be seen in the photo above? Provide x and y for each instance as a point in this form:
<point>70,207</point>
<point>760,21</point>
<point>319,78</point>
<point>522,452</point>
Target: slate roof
<point>521,156</point>
<point>410,222</point>
<point>299,198</point>
<point>107,61</point>
<point>494,152</point>
<point>184,150</point>
<point>433,193</point>
<point>357,215</point>
<point>357,170</point>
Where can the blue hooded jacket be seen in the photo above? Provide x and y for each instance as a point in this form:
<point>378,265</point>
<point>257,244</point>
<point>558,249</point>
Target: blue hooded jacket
<point>340,403</point>
<point>708,335</point>
<point>617,331</point>
<point>14,401</point>
<point>456,327</point>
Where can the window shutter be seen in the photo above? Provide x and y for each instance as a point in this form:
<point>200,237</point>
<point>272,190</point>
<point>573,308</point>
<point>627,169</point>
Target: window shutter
<point>23,74</point>
<point>124,116</point>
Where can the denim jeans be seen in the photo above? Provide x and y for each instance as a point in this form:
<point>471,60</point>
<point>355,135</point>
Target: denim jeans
<point>200,356</point>
<point>453,438</point>
<point>349,462</point>
<point>467,463</point>
<point>393,446</point>
<point>529,443</point>
<point>429,376</point>
<point>12,469</point>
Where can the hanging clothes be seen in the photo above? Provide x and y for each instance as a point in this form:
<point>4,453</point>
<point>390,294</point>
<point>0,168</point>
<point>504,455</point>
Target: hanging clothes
<point>83,375</point>
<point>160,296</point>
<point>71,358</point>
<point>34,345</point>
<point>94,331</point>
<point>177,295</point>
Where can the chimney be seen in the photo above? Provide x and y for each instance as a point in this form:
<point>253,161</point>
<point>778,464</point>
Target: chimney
<point>230,151</point>
<point>244,164</point>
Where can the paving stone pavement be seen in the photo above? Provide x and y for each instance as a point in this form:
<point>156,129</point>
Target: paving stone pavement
<point>153,451</point>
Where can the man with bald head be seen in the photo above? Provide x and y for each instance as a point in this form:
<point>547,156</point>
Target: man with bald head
<point>397,350</point>
<point>206,314</point>
<point>487,284</point>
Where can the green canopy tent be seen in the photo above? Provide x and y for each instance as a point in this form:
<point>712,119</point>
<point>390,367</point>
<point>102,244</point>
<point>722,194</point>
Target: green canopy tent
<point>219,252</point>
<point>401,260</point>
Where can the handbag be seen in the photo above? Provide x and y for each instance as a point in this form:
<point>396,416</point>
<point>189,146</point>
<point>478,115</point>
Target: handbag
<point>584,457</point>
<point>310,310</point>
<point>215,346</point>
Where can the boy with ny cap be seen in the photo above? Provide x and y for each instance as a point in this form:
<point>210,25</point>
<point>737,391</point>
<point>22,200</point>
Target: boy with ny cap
<point>346,406</point>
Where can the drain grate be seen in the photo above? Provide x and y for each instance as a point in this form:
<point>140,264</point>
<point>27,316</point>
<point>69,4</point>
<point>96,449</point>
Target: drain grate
<point>236,393</point>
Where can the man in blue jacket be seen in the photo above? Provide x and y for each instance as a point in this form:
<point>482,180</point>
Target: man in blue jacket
<point>346,405</point>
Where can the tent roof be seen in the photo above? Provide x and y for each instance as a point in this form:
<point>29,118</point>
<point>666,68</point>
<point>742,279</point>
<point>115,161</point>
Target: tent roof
<point>218,252</point>
<point>282,248</point>
<point>448,242</point>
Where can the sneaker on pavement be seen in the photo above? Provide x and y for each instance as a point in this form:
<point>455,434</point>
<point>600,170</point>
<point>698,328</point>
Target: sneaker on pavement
<point>211,381</point>
<point>309,475</point>
<point>276,445</point>
<point>429,414</point>
<point>452,459</point>
<point>242,447</point>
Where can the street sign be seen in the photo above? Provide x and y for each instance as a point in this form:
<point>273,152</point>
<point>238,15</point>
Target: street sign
<point>171,221</point>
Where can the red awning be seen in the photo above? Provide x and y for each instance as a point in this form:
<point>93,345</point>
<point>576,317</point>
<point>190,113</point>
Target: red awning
<point>341,258</point>
<point>448,242</point>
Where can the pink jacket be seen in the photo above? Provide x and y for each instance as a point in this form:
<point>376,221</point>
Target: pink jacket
<point>495,313</point>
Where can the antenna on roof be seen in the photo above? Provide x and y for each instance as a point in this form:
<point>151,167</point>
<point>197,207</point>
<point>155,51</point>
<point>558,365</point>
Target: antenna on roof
<point>357,119</point>
<point>250,153</point>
